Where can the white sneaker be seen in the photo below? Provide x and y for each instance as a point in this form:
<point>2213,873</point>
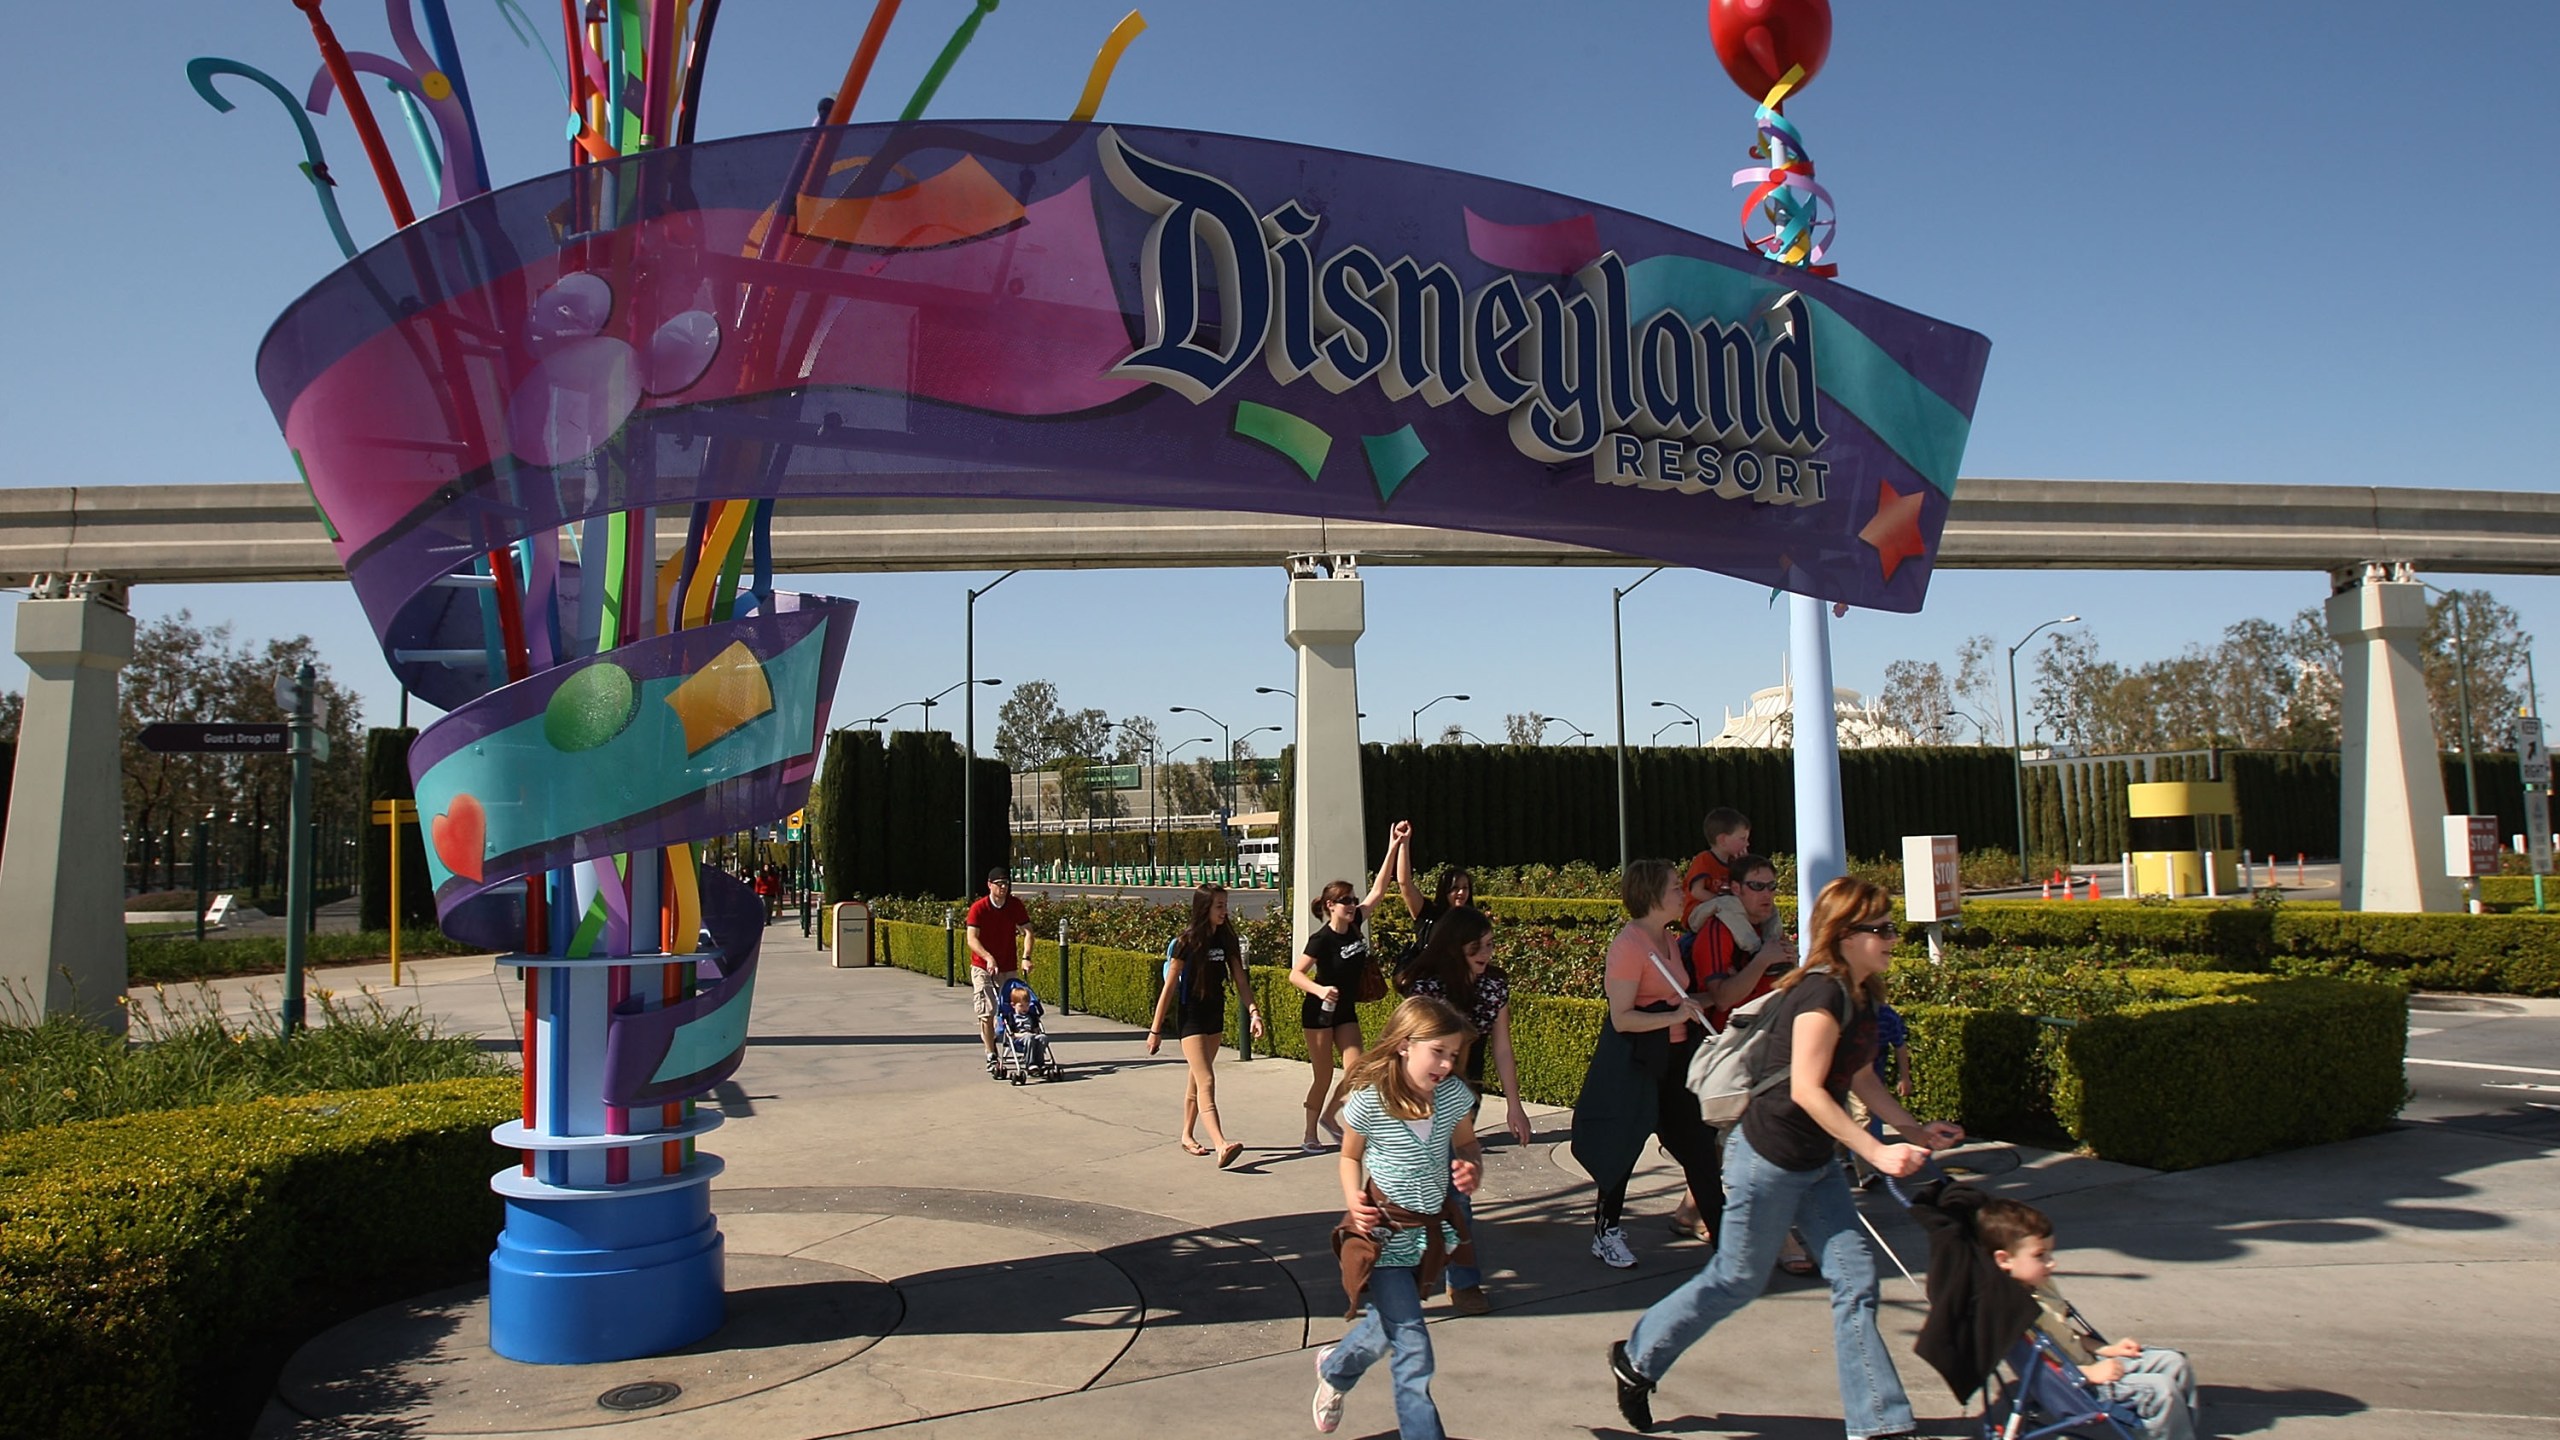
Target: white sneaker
<point>1611,1246</point>
<point>1328,1406</point>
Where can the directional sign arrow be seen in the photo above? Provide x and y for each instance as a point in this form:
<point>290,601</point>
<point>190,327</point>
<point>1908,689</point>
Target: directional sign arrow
<point>169,737</point>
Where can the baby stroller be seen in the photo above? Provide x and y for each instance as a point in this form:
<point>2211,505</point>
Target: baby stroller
<point>1973,1312</point>
<point>1021,1049</point>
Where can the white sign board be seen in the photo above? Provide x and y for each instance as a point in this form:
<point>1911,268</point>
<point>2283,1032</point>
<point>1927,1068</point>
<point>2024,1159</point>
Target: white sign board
<point>1932,884</point>
<point>2470,845</point>
<point>2532,755</point>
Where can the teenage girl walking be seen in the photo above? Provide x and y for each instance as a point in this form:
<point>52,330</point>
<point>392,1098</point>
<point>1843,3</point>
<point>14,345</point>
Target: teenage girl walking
<point>1409,1153</point>
<point>1204,958</point>
<point>1328,970</point>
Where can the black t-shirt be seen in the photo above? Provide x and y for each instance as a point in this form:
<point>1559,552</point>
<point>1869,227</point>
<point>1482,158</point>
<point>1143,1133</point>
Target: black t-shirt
<point>1340,956</point>
<point>1775,1125</point>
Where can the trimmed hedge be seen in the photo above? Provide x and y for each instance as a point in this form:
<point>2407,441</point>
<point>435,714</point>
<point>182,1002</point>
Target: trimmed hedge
<point>157,1269</point>
<point>2201,1069</point>
<point>2194,1070</point>
<point>177,955</point>
<point>2499,954</point>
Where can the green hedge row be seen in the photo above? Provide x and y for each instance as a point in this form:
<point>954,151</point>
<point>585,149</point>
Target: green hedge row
<point>2209,1068</point>
<point>2199,1070</point>
<point>2501,954</point>
<point>175,956</point>
<point>887,815</point>
<point>156,1270</point>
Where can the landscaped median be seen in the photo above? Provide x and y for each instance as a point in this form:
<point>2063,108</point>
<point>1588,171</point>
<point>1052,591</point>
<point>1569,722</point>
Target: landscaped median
<point>2492,954</point>
<point>155,1269</point>
<point>2162,1068</point>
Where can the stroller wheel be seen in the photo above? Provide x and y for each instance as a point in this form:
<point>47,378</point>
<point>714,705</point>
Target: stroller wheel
<point>1021,1079</point>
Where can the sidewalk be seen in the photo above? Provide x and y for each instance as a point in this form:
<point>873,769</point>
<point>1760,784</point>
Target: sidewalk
<point>912,1245</point>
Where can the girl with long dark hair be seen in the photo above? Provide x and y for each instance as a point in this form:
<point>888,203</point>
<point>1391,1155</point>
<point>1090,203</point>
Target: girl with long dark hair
<point>1456,965</point>
<point>1328,972</point>
<point>1203,960</point>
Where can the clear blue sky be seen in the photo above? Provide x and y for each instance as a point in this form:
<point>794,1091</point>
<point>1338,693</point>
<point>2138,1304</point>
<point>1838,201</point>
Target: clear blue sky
<point>2210,241</point>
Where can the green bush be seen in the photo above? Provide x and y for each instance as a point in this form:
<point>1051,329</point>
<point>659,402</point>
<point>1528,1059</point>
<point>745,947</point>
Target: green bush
<point>178,957</point>
<point>2502,954</point>
<point>156,1270</point>
<point>2167,1069</point>
<point>65,1069</point>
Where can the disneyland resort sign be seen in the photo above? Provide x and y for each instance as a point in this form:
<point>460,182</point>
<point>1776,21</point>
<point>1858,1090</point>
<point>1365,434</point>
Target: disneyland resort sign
<point>1731,410</point>
<point>1017,312</point>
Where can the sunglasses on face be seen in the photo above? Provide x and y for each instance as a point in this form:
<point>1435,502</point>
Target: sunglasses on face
<point>1876,927</point>
<point>1760,887</point>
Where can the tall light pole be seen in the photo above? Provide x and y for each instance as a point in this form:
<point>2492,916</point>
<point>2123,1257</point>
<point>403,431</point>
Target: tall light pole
<point>1246,739</point>
<point>883,717</point>
<point>1959,716</point>
<point>2018,740</point>
<point>1274,690</point>
<point>2462,696</point>
<point>1669,725</point>
<point>1415,720</point>
<point>969,766</point>
<point>1697,732</point>
<point>1618,655</point>
<point>1226,739</point>
<point>1546,720</point>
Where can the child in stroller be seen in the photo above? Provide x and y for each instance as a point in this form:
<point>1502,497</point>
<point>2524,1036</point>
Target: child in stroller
<point>1992,1301</point>
<point>1021,1049</point>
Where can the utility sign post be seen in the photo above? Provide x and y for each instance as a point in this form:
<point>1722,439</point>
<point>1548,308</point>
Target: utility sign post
<point>394,814</point>
<point>1932,885</point>
<point>2533,757</point>
<point>169,737</point>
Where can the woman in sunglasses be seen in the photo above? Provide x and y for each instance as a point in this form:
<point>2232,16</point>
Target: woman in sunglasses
<point>1779,1169</point>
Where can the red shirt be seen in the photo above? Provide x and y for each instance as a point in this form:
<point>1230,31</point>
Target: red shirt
<point>1708,868</point>
<point>1713,955</point>
<point>996,929</point>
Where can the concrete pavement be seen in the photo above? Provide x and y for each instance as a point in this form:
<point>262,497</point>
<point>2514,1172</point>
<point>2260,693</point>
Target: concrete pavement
<point>912,1245</point>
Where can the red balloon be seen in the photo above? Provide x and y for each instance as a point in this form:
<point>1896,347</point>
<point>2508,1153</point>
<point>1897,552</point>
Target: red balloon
<point>1758,40</point>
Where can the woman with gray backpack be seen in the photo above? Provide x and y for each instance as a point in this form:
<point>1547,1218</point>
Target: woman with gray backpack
<point>1816,1042</point>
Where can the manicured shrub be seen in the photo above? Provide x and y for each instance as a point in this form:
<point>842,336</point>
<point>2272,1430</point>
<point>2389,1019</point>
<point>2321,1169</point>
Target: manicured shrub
<point>157,1269</point>
<point>2499,954</point>
<point>176,957</point>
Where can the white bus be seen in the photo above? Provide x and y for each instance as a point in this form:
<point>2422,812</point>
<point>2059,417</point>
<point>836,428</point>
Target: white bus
<point>1259,855</point>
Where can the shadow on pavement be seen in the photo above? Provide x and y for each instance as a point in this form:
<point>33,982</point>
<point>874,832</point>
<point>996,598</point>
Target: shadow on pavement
<point>2237,1410</point>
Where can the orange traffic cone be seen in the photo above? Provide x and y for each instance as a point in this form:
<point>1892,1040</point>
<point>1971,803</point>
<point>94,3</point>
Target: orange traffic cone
<point>2093,887</point>
<point>2048,888</point>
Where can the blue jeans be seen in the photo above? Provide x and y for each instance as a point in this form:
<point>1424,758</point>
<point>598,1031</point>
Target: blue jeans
<point>1761,1201</point>
<point>1392,1324</point>
<point>1462,1277</point>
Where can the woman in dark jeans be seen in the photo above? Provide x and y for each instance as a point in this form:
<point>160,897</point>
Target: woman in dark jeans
<point>1782,1162</point>
<point>1637,1085</point>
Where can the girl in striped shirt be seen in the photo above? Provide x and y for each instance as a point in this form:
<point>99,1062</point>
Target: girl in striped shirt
<point>1410,1142</point>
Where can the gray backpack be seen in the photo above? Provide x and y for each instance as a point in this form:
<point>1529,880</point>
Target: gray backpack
<point>1720,1074</point>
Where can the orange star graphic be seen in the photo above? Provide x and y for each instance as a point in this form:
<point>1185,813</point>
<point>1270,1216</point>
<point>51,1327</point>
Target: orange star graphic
<point>1895,530</point>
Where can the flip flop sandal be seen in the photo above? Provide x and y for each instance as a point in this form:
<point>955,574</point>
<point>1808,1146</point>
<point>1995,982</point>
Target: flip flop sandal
<point>1194,1148</point>
<point>1228,1156</point>
<point>1796,1264</point>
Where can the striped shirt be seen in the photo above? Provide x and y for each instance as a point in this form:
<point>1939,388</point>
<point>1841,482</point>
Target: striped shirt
<point>1408,1169</point>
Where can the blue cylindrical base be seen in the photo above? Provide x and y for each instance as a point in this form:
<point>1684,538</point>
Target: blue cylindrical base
<point>606,1277</point>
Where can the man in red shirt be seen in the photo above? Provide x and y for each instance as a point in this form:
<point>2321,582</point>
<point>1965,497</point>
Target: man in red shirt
<point>994,922</point>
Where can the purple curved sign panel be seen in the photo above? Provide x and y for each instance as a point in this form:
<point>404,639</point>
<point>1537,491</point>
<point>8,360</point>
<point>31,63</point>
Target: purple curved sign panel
<point>1019,310</point>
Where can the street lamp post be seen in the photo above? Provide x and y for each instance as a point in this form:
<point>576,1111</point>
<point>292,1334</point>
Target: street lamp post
<point>1226,739</point>
<point>969,766</point>
<point>2018,740</point>
<point>1181,746</point>
<point>1546,720</point>
<point>1697,732</point>
<point>883,717</point>
<point>1618,655</point>
<point>2462,696</point>
<point>1415,721</point>
<point>1147,778</point>
<point>1274,690</point>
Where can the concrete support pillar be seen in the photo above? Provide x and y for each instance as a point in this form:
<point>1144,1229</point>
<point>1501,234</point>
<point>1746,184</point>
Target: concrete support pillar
<point>1325,619</point>
<point>2391,821</point>
<point>62,871</point>
<point>1822,841</point>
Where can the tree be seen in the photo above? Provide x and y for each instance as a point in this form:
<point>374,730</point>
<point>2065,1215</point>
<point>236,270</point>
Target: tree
<point>1529,729</point>
<point>1190,788</point>
<point>1917,698</point>
<point>184,672</point>
<point>1978,689</point>
<point>1140,741</point>
<point>12,704</point>
<point>1027,726</point>
<point>2495,646</point>
<point>1453,735</point>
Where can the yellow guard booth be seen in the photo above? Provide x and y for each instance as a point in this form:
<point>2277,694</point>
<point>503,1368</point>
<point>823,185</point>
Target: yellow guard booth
<point>2173,826</point>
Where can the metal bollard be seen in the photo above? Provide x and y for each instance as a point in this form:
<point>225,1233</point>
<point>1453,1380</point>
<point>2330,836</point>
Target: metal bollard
<point>1066,986</point>
<point>2212,881</point>
<point>1244,1021</point>
<point>950,939</point>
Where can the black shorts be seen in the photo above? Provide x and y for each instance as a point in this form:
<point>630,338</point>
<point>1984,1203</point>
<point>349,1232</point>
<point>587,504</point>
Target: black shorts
<point>1200,1018</point>
<point>1311,1013</point>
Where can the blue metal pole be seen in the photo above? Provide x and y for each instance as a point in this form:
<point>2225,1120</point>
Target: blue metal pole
<point>1822,849</point>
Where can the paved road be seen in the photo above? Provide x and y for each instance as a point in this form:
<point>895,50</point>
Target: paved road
<point>2486,1064</point>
